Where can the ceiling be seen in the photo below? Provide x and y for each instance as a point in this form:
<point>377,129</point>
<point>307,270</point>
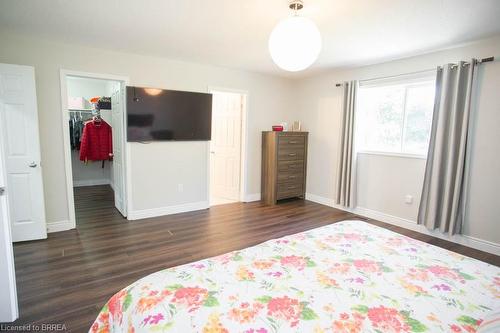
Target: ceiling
<point>234,33</point>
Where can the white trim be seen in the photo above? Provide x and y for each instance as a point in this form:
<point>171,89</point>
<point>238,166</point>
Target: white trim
<point>64,73</point>
<point>91,182</point>
<point>383,217</point>
<point>251,197</point>
<point>9,302</point>
<point>494,246</point>
<point>400,155</point>
<point>465,240</point>
<point>127,161</point>
<point>67,150</point>
<point>244,142</point>
<point>99,76</point>
<point>244,147</point>
<point>321,200</point>
<point>128,180</point>
<point>59,226</point>
<point>209,176</point>
<point>161,211</point>
<point>404,78</point>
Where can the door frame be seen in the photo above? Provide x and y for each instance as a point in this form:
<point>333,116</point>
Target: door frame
<point>64,73</point>
<point>7,252</point>
<point>243,145</point>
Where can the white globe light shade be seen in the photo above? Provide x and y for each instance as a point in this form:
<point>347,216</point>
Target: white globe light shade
<point>295,43</point>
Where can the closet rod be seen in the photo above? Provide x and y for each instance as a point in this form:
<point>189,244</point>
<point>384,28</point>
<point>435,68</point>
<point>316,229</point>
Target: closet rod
<point>80,110</point>
<point>489,59</point>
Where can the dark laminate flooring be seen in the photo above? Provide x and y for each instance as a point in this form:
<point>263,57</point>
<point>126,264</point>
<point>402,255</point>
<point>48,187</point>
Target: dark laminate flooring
<point>67,278</point>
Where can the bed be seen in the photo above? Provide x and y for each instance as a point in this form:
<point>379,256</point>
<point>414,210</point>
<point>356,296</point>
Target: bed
<point>346,277</point>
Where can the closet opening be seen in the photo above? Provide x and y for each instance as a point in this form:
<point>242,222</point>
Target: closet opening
<point>94,121</point>
<point>227,165</point>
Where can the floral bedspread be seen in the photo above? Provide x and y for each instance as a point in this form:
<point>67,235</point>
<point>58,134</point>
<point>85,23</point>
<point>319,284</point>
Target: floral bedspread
<point>346,277</point>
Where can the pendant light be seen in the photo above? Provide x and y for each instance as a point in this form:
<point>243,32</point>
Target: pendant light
<point>295,42</point>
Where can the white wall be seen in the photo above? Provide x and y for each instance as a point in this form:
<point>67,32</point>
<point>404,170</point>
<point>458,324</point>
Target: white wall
<point>92,172</point>
<point>384,181</point>
<point>156,168</point>
<point>394,175</point>
<point>483,213</point>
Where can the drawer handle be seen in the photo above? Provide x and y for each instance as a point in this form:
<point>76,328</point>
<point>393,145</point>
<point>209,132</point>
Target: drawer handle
<point>293,142</point>
<point>292,177</point>
<point>291,187</point>
<point>292,154</point>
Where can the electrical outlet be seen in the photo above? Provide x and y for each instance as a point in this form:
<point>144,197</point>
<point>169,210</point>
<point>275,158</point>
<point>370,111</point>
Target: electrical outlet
<point>408,199</point>
<point>180,187</point>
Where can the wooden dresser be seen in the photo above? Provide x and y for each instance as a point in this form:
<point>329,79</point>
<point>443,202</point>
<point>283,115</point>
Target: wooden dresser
<point>284,160</point>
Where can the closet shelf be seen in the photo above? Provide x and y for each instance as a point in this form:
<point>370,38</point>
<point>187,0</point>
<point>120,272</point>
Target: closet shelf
<point>81,110</point>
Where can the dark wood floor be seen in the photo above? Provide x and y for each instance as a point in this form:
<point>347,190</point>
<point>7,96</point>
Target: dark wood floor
<point>67,278</point>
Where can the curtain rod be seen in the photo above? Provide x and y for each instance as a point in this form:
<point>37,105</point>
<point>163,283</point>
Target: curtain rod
<point>489,59</point>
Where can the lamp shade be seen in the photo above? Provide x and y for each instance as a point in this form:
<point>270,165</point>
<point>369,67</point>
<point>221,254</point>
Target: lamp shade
<point>295,43</point>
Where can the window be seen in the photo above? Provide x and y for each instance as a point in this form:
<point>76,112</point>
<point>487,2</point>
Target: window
<point>395,116</point>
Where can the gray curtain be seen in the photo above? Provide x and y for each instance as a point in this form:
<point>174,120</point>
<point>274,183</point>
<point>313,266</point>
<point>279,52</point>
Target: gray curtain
<point>442,202</point>
<point>345,162</point>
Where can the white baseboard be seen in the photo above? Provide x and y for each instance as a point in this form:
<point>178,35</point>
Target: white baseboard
<point>252,197</point>
<point>465,240</point>
<point>59,226</point>
<point>91,182</point>
<point>387,218</point>
<point>161,211</point>
<point>322,200</point>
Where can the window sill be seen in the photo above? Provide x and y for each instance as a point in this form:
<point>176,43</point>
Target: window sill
<point>401,155</point>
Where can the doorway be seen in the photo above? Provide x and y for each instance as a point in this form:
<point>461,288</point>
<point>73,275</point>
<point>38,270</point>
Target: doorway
<point>94,122</point>
<point>227,146</point>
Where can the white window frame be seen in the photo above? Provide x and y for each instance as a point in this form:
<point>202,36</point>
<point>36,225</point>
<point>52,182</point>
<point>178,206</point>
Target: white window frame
<point>410,80</point>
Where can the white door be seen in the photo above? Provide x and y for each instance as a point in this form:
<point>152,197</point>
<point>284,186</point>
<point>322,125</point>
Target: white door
<point>117,110</point>
<point>225,147</point>
<point>21,150</point>
<point>8,301</point>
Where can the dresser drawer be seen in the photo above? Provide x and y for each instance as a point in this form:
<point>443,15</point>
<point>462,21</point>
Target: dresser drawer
<point>290,154</point>
<point>291,141</point>
<point>297,166</point>
<point>289,190</point>
<point>291,176</point>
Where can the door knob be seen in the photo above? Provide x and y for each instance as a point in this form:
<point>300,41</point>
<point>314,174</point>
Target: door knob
<point>32,165</point>
<point>2,190</point>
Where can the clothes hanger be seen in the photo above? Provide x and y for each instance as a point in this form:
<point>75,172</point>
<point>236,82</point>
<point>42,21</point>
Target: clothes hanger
<point>97,117</point>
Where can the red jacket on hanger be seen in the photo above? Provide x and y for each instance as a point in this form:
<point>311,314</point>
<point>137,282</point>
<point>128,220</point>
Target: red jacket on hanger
<point>97,141</point>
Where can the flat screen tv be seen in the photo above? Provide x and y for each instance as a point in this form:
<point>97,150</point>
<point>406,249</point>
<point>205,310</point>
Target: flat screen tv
<point>168,115</point>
